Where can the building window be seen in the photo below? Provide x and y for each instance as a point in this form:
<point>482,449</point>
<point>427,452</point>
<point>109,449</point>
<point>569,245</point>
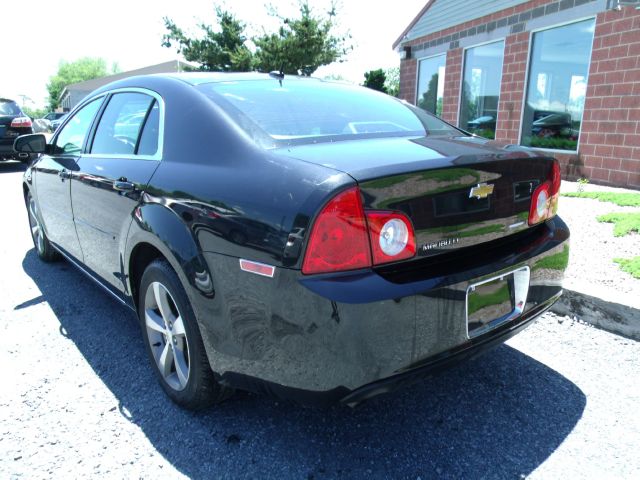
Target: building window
<point>481,89</point>
<point>431,84</point>
<point>557,86</point>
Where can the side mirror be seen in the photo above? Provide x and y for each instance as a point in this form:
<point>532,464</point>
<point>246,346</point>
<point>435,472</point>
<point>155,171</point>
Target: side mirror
<point>33,143</point>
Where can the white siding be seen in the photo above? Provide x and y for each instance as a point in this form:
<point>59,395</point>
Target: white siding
<point>447,13</point>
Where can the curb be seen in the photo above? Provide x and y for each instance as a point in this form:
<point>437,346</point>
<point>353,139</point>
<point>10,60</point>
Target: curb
<point>606,310</point>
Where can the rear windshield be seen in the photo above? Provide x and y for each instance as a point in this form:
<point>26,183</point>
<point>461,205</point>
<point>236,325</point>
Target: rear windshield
<point>308,110</point>
<point>9,107</point>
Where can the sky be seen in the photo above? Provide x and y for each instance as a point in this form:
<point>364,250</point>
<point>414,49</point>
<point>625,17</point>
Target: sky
<point>129,32</point>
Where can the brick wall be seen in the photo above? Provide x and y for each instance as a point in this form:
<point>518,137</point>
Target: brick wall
<point>609,147</point>
<point>408,75</point>
<point>610,137</point>
<point>452,79</point>
<point>514,67</point>
<point>511,16</point>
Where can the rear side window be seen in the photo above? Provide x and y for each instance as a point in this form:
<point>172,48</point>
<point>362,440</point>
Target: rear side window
<point>9,107</point>
<point>72,136</point>
<point>148,144</point>
<point>121,124</point>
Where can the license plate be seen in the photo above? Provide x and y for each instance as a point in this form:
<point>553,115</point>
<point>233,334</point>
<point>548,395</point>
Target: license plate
<point>496,300</point>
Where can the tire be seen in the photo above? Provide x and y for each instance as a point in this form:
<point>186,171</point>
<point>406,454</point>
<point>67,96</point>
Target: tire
<point>173,342</point>
<point>44,249</point>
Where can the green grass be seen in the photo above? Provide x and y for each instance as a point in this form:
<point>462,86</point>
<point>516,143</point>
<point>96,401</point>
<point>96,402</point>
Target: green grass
<point>477,301</point>
<point>630,265</point>
<point>557,261</point>
<point>625,222</point>
<point>621,199</point>
<point>555,143</point>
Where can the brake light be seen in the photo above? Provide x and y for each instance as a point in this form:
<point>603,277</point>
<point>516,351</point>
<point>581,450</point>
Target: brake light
<point>391,236</point>
<point>338,238</point>
<point>544,201</point>
<point>21,122</point>
<point>342,239</point>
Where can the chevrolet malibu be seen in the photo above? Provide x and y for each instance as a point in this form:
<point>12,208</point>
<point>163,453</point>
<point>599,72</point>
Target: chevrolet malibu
<point>306,239</point>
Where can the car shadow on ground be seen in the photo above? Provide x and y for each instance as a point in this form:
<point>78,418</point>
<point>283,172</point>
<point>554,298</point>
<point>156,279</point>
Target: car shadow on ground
<point>12,166</point>
<point>500,415</point>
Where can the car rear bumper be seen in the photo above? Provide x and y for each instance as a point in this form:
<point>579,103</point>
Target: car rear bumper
<point>6,147</point>
<point>352,336</point>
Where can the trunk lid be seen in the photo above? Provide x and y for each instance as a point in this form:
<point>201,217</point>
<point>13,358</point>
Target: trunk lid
<point>457,191</point>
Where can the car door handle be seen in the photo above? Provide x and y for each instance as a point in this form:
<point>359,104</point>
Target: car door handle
<point>123,185</point>
<point>64,174</point>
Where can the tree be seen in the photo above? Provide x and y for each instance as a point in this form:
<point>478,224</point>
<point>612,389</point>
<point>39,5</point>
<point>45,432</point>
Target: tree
<point>72,72</point>
<point>220,50</point>
<point>302,44</point>
<point>375,79</point>
<point>392,84</point>
<point>34,112</point>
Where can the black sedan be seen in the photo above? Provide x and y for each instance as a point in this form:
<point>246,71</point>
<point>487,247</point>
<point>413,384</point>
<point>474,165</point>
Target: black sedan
<point>311,240</point>
<point>13,123</point>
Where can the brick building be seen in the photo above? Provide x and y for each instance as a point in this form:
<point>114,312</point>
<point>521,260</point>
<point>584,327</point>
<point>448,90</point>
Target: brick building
<point>558,75</point>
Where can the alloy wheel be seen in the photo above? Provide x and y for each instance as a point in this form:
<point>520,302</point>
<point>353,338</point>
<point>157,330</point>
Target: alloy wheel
<point>36,226</point>
<point>167,336</point>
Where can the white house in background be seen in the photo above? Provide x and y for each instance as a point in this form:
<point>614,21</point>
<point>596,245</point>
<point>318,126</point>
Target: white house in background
<point>73,94</point>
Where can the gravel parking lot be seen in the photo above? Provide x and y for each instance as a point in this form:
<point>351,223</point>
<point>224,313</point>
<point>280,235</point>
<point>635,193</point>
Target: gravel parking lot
<point>78,399</point>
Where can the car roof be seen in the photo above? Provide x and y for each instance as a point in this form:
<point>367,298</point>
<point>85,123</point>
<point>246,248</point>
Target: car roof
<point>198,78</point>
<point>192,79</point>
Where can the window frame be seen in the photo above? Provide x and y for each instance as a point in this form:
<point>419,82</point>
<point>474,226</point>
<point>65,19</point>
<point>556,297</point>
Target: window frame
<point>428,57</point>
<point>108,94</point>
<point>527,71</point>
<point>462,70</point>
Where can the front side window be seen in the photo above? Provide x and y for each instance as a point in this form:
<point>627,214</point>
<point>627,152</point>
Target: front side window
<point>121,123</point>
<point>431,84</point>
<point>73,134</point>
<point>557,86</point>
<point>481,89</point>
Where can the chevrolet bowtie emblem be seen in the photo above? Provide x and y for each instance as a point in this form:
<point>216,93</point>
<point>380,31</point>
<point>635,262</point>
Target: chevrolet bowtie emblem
<point>482,190</point>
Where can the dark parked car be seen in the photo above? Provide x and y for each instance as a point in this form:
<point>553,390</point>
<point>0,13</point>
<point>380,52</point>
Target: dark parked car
<point>51,116</point>
<point>56,122</point>
<point>481,123</point>
<point>312,240</point>
<point>13,122</point>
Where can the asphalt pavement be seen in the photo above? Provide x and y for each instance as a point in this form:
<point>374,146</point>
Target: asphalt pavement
<point>78,399</point>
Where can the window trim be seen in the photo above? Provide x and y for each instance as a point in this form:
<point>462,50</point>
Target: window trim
<point>462,70</point>
<point>158,155</point>
<point>428,57</point>
<point>525,92</point>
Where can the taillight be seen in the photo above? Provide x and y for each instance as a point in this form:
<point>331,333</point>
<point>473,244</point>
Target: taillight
<point>544,201</point>
<point>391,236</point>
<point>21,122</point>
<point>341,239</point>
<point>338,239</point>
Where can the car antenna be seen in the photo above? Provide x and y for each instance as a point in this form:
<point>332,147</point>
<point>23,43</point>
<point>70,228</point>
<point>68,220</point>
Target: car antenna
<point>278,74</point>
